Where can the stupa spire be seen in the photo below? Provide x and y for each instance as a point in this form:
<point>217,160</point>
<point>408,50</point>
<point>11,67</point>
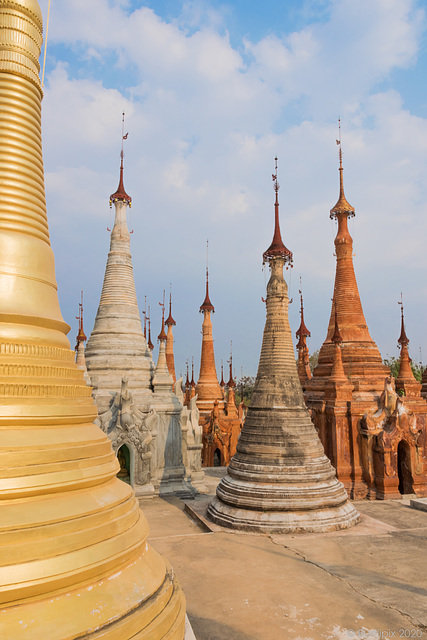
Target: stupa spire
<point>117,345</point>
<point>277,248</point>
<point>357,344</point>
<point>342,205</point>
<point>304,371</point>
<point>150,343</point>
<point>80,346</point>
<point>81,336</point>
<point>170,322</point>
<point>231,382</point>
<point>222,383</point>
<point>405,381</point>
<point>208,389</point>
<point>192,383</point>
<point>162,379</point>
<point>73,537</point>
<point>120,194</point>
<point>279,480</point>
<point>145,318</point>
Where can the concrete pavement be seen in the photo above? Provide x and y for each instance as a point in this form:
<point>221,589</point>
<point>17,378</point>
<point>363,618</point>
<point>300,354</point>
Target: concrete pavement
<point>367,582</point>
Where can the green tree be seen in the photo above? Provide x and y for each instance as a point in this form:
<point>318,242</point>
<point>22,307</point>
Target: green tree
<point>248,383</point>
<point>394,364</point>
<point>314,359</point>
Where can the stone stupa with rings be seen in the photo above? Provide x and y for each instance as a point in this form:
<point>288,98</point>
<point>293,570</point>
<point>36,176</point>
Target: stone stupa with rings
<point>280,479</point>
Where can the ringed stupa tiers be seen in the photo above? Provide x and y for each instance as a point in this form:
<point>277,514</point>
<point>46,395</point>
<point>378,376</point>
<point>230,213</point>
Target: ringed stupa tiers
<point>280,480</point>
<point>136,402</point>
<point>117,344</point>
<point>74,558</point>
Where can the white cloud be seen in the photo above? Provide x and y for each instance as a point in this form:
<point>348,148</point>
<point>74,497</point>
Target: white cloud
<point>205,122</point>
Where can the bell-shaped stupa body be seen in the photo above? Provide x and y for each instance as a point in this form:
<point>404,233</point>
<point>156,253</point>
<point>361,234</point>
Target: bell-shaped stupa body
<point>280,479</point>
<point>74,559</point>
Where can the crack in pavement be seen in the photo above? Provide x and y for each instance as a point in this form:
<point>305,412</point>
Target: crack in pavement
<point>324,568</point>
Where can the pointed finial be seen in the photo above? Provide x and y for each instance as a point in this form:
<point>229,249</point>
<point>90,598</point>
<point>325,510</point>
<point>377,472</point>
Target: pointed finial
<point>302,332</point>
<point>81,336</point>
<point>187,381</point>
<point>145,318</point>
<point>170,321</point>
<point>207,304</point>
<point>222,383</point>
<point>120,194</point>
<point>231,382</point>
<point>192,383</point>
<point>277,249</point>
<point>336,338</point>
<point>150,344</point>
<point>162,335</point>
<point>342,206</point>
<point>403,340</point>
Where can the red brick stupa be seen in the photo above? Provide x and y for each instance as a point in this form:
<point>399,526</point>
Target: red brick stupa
<point>221,424</point>
<point>346,394</point>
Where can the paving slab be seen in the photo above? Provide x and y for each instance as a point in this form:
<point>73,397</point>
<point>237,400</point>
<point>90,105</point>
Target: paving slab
<point>419,503</point>
<point>367,582</point>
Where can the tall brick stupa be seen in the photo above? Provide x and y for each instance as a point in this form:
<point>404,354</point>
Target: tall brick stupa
<point>373,428</point>
<point>280,479</point>
<point>74,556</point>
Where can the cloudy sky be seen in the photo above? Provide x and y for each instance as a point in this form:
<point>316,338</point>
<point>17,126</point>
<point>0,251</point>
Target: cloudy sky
<point>212,92</point>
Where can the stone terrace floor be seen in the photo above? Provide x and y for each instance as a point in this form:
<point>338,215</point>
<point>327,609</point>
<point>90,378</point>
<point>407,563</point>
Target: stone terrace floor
<point>367,582</point>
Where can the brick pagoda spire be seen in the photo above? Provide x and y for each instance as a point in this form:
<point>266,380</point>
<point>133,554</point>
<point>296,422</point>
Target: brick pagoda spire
<point>280,479</point>
<point>405,381</point>
<point>80,346</point>
<point>304,371</point>
<point>170,322</point>
<point>361,358</point>
<point>162,379</point>
<point>348,382</point>
<point>208,389</point>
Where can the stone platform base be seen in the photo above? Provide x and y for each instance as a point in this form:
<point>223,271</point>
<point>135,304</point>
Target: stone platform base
<point>310,521</point>
<point>419,503</point>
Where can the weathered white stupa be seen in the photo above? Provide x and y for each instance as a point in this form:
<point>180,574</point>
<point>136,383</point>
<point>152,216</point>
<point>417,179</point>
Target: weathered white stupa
<point>136,403</point>
<point>280,479</point>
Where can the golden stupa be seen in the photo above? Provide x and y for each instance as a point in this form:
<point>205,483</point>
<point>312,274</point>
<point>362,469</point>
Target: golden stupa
<point>74,559</point>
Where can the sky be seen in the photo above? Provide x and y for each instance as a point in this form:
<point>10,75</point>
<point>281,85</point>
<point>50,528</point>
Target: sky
<point>212,92</point>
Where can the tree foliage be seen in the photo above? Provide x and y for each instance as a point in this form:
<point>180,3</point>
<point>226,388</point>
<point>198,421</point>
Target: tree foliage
<point>248,383</point>
<point>314,359</point>
<point>394,364</point>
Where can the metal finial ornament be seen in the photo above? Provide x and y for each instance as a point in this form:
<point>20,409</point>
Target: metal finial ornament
<point>339,142</point>
<point>120,195</point>
<point>274,177</point>
<point>403,339</point>
<point>277,249</point>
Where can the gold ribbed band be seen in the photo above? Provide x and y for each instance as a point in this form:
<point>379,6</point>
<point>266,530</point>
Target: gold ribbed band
<point>74,558</point>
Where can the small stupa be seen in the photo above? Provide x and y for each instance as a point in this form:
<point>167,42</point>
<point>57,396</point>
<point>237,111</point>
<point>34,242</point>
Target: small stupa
<point>304,371</point>
<point>80,343</point>
<point>280,479</point>
<point>170,358</point>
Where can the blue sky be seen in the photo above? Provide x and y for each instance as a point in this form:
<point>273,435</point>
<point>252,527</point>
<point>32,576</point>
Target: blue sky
<point>212,92</point>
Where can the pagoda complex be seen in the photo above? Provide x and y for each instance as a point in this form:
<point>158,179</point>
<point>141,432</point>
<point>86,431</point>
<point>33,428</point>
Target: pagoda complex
<point>137,406</point>
<point>218,414</point>
<point>280,479</point>
<point>350,384</point>
<point>74,557</point>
